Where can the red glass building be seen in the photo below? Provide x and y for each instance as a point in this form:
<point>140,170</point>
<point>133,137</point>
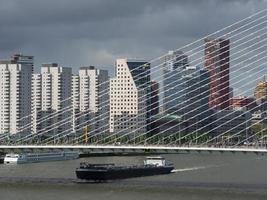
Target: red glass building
<point>217,52</point>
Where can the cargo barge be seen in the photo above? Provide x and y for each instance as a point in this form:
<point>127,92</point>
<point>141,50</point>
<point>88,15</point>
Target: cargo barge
<point>104,172</point>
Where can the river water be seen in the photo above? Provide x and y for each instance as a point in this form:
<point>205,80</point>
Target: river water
<point>203,176</point>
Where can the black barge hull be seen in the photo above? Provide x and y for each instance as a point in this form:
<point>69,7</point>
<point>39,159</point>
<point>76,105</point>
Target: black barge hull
<point>120,173</point>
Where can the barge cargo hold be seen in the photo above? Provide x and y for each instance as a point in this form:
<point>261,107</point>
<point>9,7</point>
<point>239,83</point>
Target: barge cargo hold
<point>104,172</point>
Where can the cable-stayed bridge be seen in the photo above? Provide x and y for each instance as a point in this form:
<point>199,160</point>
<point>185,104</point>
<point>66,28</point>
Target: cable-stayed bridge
<point>209,95</point>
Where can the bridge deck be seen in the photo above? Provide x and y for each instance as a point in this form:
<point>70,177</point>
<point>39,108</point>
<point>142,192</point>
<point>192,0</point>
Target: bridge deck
<point>126,148</point>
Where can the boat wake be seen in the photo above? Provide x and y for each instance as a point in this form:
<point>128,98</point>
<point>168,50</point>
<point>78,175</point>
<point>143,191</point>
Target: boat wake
<point>191,168</point>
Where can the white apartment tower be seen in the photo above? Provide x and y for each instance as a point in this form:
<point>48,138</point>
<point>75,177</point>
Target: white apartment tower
<point>90,100</point>
<point>129,96</point>
<point>15,94</point>
<point>51,96</point>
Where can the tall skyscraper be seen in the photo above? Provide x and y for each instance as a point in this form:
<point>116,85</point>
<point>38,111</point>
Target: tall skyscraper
<point>188,109</point>
<point>191,93</point>
<point>173,66</point>
<point>91,98</point>
<point>175,60</point>
<point>217,57</point>
<point>15,94</point>
<point>51,92</point>
<point>130,97</point>
<point>154,98</point>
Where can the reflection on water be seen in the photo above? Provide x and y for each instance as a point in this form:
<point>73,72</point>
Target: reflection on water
<point>197,176</point>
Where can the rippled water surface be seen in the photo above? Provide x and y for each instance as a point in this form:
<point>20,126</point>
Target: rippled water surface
<point>197,176</point>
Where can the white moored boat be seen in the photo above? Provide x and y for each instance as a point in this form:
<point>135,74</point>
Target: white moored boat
<point>39,157</point>
<point>157,161</point>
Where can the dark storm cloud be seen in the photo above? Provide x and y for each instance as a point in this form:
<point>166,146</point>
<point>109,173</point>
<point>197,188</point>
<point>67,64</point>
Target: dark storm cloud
<point>84,32</point>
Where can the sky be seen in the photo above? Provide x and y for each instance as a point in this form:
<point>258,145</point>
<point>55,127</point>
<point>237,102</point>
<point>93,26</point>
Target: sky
<point>77,33</point>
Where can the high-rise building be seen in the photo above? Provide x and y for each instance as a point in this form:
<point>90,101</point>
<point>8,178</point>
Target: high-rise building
<point>130,98</point>
<point>175,60</point>
<point>81,115</point>
<point>195,94</point>
<point>189,100</point>
<point>15,94</point>
<point>51,94</point>
<point>90,100</point>
<point>154,98</point>
<point>191,94</point>
<point>217,57</point>
<point>173,66</point>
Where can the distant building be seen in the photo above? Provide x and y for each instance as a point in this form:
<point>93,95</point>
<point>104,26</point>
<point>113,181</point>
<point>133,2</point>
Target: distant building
<point>229,122</point>
<point>243,103</point>
<point>175,60</point>
<point>259,117</point>
<point>217,61</point>
<point>173,66</point>
<point>260,94</point>
<point>90,90</point>
<point>130,97</point>
<point>187,96</point>
<point>51,94</point>
<point>165,124</point>
<point>231,92</point>
<point>261,90</point>
<point>154,98</point>
<point>15,94</point>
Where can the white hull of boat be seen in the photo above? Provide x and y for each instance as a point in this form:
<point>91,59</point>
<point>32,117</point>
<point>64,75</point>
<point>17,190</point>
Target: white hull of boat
<point>39,157</point>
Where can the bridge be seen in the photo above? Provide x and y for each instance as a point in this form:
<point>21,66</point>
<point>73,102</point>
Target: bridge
<point>216,102</point>
<point>123,149</point>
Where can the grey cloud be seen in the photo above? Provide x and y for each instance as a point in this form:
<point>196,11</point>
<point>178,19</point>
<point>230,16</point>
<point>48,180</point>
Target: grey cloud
<point>85,32</point>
